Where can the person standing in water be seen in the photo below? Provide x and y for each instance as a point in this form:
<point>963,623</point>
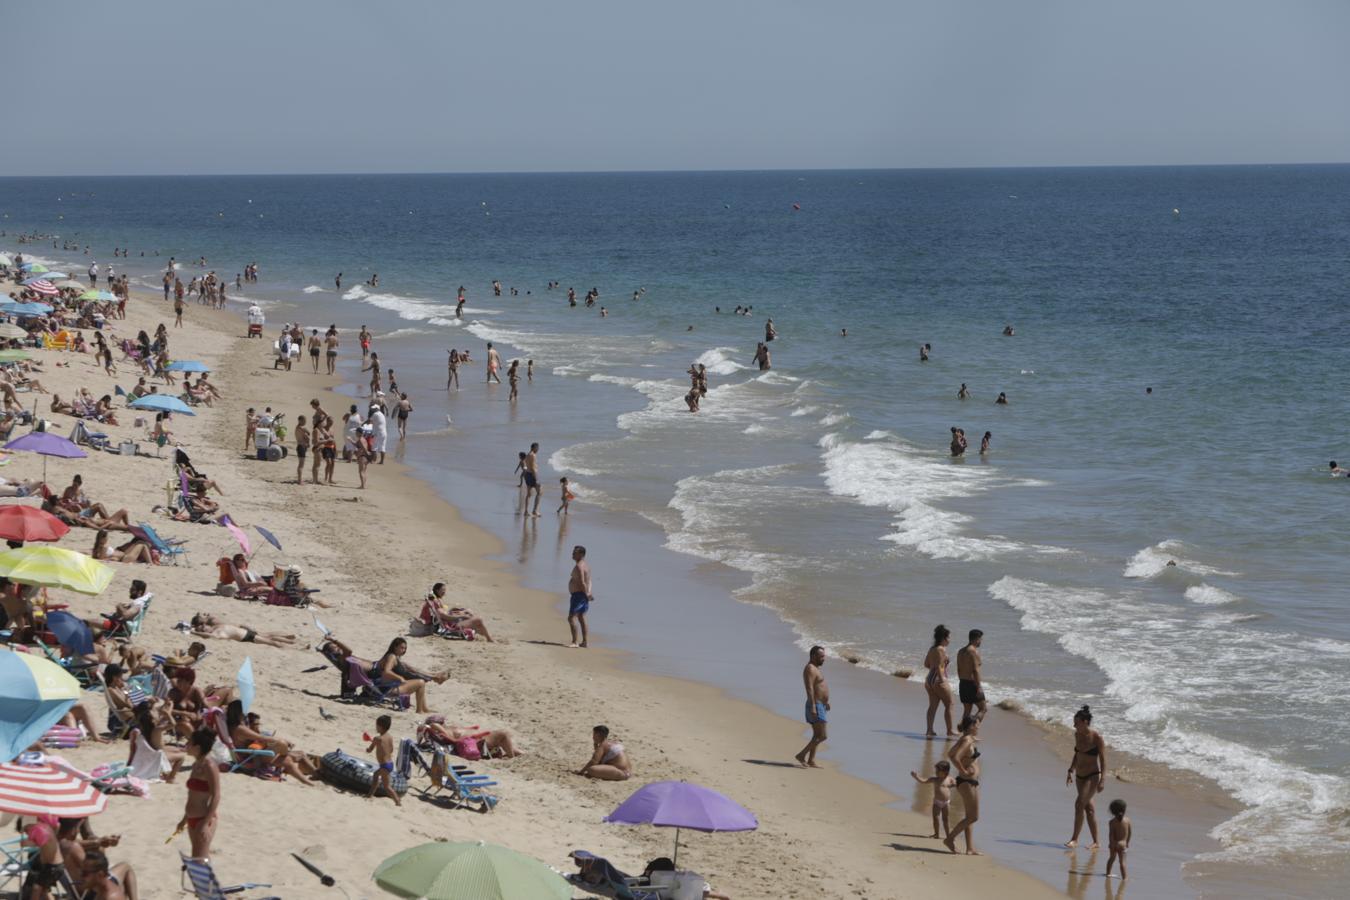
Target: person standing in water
<point>970,675</point>
<point>769,332</point>
<point>1088,766</point>
<point>936,684</point>
<point>581,596</point>
<point>403,408</point>
<point>337,282</point>
<point>530,473</point>
<point>984,442</point>
<point>958,441</point>
<point>817,707</point>
<point>964,393</point>
<point>513,377</point>
<point>923,352</point>
<point>494,362</point>
<point>761,357</point>
<point>452,376</point>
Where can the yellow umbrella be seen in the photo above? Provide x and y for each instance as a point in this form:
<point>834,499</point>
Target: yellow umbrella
<point>55,567</point>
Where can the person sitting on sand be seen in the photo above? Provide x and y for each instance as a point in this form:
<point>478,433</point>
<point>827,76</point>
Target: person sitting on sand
<point>207,625</point>
<point>149,730</point>
<point>392,673</point>
<point>609,761</point>
<point>134,551</point>
<point>60,406</point>
<point>434,610</point>
<point>244,735</point>
<point>187,702</point>
<point>103,410</point>
<point>489,744</point>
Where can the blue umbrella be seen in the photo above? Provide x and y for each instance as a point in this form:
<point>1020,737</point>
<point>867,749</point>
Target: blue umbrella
<point>34,694</point>
<point>162,403</point>
<point>187,365</point>
<point>271,538</point>
<point>25,309</point>
<point>71,632</point>
<point>26,266</point>
<point>245,681</point>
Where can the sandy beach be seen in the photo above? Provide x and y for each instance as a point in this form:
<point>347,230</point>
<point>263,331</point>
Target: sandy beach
<point>373,554</point>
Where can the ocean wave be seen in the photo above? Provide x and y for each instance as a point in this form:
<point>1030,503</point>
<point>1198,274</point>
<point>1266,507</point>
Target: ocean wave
<point>804,410</point>
<point>568,461</point>
<point>1153,561</point>
<point>413,309</point>
<point>403,332</point>
<point>877,435</point>
<point>1209,595</point>
<point>1146,710</point>
<point>314,289</point>
<point>719,361</point>
<point>834,419</point>
<point>715,512</point>
<point>894,476</point>
<point>754,429</point>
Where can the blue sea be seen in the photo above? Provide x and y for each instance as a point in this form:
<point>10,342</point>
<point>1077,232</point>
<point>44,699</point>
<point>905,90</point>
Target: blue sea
<point>825,484</point>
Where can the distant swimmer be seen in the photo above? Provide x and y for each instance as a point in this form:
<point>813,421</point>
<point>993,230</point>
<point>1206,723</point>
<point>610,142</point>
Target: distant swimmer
<point>964,393</point>
<point>843,332</point>
<point>1148,390</point>
<point>1008,331</point>
<point>761,357</point>
<point>337,282</point>
<point>958,441</point>
<point>923,352</point>
<point>374,280</point>
<point>985,441</point>
<point>603,312</point>
<point>1338,471</point>
<point>769,332</point>
<point>1002,399</point>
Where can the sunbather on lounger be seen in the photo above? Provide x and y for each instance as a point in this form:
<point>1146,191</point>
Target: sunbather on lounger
<point>452,616</point>
<point>207,625</point>
<point>133,551</point>
<point>248,584</point>
<point>489,743</point>
<point>609,762</point>
<point>94,516</point>
<point>244,734</point>
<point>392,672</point>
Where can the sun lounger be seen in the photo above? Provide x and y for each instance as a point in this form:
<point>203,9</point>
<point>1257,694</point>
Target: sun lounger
<point>200,878</point>
<point>15,862</point>
<point>171,548</point>
<point>248,760</point>
<point>465,789</point>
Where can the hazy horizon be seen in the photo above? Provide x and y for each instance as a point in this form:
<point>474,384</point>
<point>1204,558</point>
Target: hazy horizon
<point>311,87</point>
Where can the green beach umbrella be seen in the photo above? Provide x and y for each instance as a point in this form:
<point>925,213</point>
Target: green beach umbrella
<point>469,871</point>
<point>8,356</point>
<point>37,269</point>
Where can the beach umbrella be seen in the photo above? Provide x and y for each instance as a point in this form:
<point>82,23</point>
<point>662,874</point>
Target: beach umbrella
<point>34,694</point>
<point>162,403</point>
<point>25,309</point>
<point>269,536</point>
<point>42,286</point>
<point>187,365</point>
<point>28,523</point>
<point>6,259</point>
<point>47,790</point>
<point>679,804</point>
<point>55,567</point>
<point>28,282</point>
<point>239,534</point>
<point>71,632</point>
<point>47,444</point>
<point>10,330</point>
<point>247,688</point>
<point>10,356</point>
<point>469,871</point>
<point>32,267</point>
<point>96,295</point>
<point>70,283</point>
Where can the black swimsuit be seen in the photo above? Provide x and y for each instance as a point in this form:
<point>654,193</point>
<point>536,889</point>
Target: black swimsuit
<point>962,779</point>
<point>1091,752</point>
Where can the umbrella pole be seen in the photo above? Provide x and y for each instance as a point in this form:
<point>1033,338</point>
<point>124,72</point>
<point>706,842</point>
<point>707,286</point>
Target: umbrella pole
<point>676,860</point>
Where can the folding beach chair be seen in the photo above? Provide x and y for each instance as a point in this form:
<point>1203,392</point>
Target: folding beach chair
<point>15,862</point>
<point>171,548</point>
<point>358,679</point>
<point>465,788</point>
<point>246,760</point>
<point>199,878</point>
<point>83,671</point>
<point>132,627</point>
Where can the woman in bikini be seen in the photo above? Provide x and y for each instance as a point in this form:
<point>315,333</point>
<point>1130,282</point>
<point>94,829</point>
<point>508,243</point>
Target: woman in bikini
<point>965,759</point>
<point>203,794</point>
<point>186,701</point>
<point>245,735</point>
<point>609,762</point>
<point>391,672</point>
<point>452,616</point>
<point>134,551</point>
<point>489,743</point>
<point>939,689</point>
<point>1087,773</point>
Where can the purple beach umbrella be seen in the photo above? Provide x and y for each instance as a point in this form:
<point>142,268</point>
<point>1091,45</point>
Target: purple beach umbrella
<point>679,804</point>
<point>46,444</point>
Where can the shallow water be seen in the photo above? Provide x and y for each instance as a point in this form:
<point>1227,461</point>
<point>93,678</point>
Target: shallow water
<point>827,481</point>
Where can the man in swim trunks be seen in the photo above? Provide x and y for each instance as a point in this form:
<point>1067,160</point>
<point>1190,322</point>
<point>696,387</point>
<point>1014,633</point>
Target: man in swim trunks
<point>330,343</point>
<point>531,476</point>
<point>211,627</point>
<point>971,684</point>
<point>817,707</point>
<point>314,343</point>
<point>579,587</point>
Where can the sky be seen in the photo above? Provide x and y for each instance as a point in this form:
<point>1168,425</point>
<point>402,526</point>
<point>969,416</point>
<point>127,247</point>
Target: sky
<point>301,86</point>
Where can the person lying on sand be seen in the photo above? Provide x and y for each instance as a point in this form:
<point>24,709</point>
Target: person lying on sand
<point>92,517</point>
<point>609,761</point>
<point>207,625</point>
<point>489,743</point>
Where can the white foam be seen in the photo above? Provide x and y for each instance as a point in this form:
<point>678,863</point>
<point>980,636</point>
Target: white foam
<point>1209,595</point>
<point>1151,710</point>
<point>314,289</point>
<point>878,435</point>
<point>1153,561</point>
<point>754,429</point>
<point>720,362</point>
<point>834,419</point>
<point>892,475</point>
<point>567,461</point>
<point>805,410</point>
<point>404,332</point>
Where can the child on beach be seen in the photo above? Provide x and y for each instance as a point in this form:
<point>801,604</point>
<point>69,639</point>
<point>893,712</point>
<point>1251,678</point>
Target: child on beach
<point>383,745</point>
<point>529,371</point>
<point>567,495</point>
<point>942,783</point>
<point>1118,837</point>
<point>520,469</point>
<point>513,376</point>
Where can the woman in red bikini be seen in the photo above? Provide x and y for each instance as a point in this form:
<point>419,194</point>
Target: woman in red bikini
<point>203,794</point>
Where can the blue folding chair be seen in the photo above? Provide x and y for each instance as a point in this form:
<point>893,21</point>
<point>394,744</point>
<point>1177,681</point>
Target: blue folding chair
<point>15,862</point>
<point>200,878</point>
<point>171,549</point>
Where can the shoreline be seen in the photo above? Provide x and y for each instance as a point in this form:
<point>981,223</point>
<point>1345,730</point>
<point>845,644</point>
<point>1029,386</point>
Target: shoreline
<point>364,556</point>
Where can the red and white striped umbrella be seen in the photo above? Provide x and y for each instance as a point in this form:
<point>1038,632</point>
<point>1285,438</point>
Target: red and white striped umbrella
<point>43,287</point>
<point>46,790</point>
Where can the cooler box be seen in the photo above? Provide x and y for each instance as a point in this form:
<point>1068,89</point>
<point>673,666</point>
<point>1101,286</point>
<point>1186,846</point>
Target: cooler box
<point>262,438</point>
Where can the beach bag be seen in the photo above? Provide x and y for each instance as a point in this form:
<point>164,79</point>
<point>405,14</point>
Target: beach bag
<point>346,771</point>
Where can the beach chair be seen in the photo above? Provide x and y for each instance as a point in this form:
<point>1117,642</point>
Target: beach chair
<point>15,863</point>
<point>246,760</point>
<point>132,627</point>
<point>171,548</point>
<point>614,883</point>
<point>80,434</point>
<point>360,681</point>
<point>84,672</point>
<point>200,878</point>
<point>465,789</point>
